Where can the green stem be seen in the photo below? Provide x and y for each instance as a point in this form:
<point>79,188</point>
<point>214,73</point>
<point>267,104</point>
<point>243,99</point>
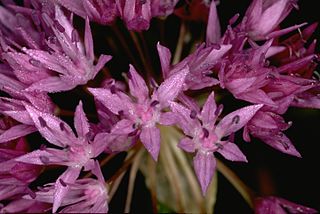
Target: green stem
<point>180,43</point>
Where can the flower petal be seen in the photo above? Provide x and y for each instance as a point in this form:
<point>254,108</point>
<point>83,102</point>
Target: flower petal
<point>52,128</point>
<point>204,165</point>
<point>236,120</point>
<point>208,111</point>
<point>150,137</point>
<point>137,85</point>
<point>81,121</point>
<point>15,132</point>
<point>171,87</point>
<point>69,176</point>
<point>213,27</point>
<point>165,58</point>
<point>232,152</point>
<point>187,145</point>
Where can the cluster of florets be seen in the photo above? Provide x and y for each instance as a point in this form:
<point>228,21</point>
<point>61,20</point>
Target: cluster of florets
<point>41,52</point>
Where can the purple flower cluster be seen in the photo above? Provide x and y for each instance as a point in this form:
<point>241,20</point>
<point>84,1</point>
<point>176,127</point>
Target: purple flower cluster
<point>42,53</point>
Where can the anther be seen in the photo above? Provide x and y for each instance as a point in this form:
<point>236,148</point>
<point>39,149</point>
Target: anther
<point>42,122</point>
<point>193,114</point>
<point>236,119</point>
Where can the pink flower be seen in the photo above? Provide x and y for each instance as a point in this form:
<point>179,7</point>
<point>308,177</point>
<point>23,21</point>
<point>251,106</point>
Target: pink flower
<point>205,138</point>
<point>86,195</point>
<point>141,114</point>
<point>77,151</point>
<point>271,204</point>
<point>200,64</point>
<point>62,62</point>
<point>263,17</point>
<point>103,11</point>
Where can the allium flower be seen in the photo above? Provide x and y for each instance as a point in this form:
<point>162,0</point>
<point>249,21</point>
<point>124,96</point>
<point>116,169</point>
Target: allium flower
<point>141,114</point>
<point>77,151</point>
<point>63,62</point>
<point>137,14</point>
<point>270,205</point>
<point>15,176</point>
<point>205,138</point>
<point>86,195</point>
<point>200,64</point>
<point>102,11</point>
<point>264,16</point>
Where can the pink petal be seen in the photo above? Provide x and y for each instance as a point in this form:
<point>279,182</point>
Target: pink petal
<point>281,143</point>
<point>171,87</point>
<point>150,137</point>
<point>88,41</point>
<point>112,101</point>
<point>52,128</point>
<point>81,121</point>
<point>69,176</point>
<point>43,157</point>
<point>15,132</point>
<point>213,27</point>
<point>51,84</point>
<point>209,109</point>
<point>123,127</point>
<point>236,120</point>
<point>187,145</point>
<point>103,59</point>
<point>204,165</point>
<point>183,118</point>
<point>137,85</point>
<point>165,58</point>
<point>232,152</point>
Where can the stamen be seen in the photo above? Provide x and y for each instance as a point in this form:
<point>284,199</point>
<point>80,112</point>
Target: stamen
<point>62,182</point>
<point>42,122</point>
<point>113,89</point>
<point>35,62</point>
<point>193,114</point>
<point>74,36</point>
<point>59,26</point>
<point>154,103</point>
<point>62,128</point>
<point>219,145</point>
<point>236,119</point>
<point>44,159</point>
<point>218,110</point>
<point>129,75</point>
<point>205,132</point>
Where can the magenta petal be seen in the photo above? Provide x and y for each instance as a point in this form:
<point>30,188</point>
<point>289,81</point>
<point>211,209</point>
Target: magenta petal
<point>204,165</point>
<point>123,127</point>
<point>81,122</point>
<point>16,131</point>
<point>232,152</point>
<point>88,41</point>
<point>69,176</point>
<point>137,85</point>
<point>52,128</point>
<point>51,84</point>
<point>213,27</point>
<point>167,119</point>
<point>236,120</point>
<point>165,58</point>
<point>271,204</point>
<point>112,101</point>
<point>150,137</point>
<point>187,145</point>
<point>281,143</point>
<point>103,59</point>
<point>209,109</point>
<point>186,123</point>
<point>171,87</point>
<point>42,157</point>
